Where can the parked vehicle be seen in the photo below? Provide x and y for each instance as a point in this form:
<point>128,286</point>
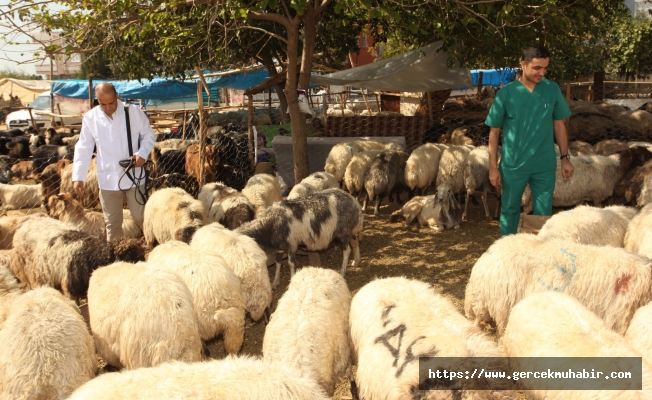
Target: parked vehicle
<point>21,118</point>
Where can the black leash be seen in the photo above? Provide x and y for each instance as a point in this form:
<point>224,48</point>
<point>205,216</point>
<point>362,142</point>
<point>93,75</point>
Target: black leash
<point>130,164</point>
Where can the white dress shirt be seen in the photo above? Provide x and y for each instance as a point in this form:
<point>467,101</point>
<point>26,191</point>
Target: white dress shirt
<point>109,136</point>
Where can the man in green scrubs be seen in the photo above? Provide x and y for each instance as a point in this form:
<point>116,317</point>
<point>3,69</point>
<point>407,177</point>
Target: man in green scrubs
<point>529,111</point>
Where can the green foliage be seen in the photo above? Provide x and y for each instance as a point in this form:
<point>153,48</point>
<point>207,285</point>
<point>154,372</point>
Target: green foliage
<point>8,72</point>
<point>632,48</point>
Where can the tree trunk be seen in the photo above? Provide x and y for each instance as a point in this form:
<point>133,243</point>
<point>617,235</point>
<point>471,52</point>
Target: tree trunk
<point>298,120</point>
<point>271,69</point>
<point>598,86</point>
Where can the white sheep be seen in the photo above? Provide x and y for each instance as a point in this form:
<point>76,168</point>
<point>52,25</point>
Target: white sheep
<point>639,332</point>
<point>142,316</point>
<point>313,183</point>
<point>340,155</point>
<point>610,281</point>
<point>476,176</point>
<point>556,325</point>
<point>174,144</point>
<point>225,205</point>
<point>91,187</point>
<point>46,351</point>
<point>422,166</point>
<point>65,208</point>
<point>638,238</point>
<point>589,225</point>
<point>9,290</point>
<point>15,197</point>
<point>8,225</point>
<point>356,171</point>
<point>610,146</point>
<point>171,214</point>
<point>451,167</point>
<point>245,258</point>
<point>216,291</point>
<point>309,329</point>
<point>233,378</point>
<point>54,253</point>
<point>262,190</point>
<point>645,196</point>
<point>394,322</point>
<point>315,222</point>
<point>594,178</point>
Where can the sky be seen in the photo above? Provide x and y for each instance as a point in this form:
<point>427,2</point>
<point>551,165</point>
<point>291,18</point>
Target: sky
<point>18,57</point>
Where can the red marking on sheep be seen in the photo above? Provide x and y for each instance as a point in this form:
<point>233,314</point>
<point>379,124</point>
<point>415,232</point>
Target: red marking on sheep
<point>622,284</point>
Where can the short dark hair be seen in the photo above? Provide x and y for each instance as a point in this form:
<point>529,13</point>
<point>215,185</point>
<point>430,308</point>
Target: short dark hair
<point>534,52</point>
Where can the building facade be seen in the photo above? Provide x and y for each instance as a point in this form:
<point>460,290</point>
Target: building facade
<point>63,66</point>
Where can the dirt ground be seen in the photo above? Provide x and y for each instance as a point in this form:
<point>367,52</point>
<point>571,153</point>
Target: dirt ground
<point>390,249</point>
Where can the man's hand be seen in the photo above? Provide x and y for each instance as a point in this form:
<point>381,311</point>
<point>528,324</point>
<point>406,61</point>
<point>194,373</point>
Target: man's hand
<point>494,177</point>
<point>566,168</point>
<point>139,160</point>
<point>78,187</point>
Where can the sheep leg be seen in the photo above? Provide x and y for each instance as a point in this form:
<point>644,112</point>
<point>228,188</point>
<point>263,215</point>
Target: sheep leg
<point>377,205</point>
<point>277,275</point>
<point>466,205</point>
<point>484,203</point>
<point>291,255</point>
<point>355,244</point>
<point>346,252</point>
<point>354,390</point>
<point>364,203</point>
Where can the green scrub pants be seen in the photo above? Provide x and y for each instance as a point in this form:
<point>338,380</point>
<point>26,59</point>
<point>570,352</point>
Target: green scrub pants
<point>542,185</point>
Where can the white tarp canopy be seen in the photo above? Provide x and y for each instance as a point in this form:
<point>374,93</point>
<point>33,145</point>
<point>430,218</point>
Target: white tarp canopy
<point>421,70</point>
<point>26,91</point>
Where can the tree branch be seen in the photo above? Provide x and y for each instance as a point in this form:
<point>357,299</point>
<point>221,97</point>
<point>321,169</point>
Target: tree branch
<point>273,17</point>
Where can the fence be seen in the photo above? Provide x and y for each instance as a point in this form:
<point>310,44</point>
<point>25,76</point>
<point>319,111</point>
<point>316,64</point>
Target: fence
<point>176,158</point>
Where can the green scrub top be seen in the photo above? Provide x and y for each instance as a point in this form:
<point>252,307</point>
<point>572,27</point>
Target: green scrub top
<point>527,121</point>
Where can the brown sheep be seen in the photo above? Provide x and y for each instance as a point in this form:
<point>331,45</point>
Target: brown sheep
<point>212,160</point>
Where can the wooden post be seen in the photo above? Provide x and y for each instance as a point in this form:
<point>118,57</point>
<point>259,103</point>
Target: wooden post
<point>63,125</point>
<point>431,117</point>
<point>250,124</point>
<point>185,118</point>
<point>90,93</point>
<point>341,102</point>
<point>31,117</point>
<point>365,102</point>
<point>269,101</point>
<point>378,102</point>
<point>202,142</point>
<point>598,90</point>
<point>480,85</point>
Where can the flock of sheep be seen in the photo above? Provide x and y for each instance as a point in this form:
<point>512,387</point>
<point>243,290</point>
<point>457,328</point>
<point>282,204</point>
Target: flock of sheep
<point>200,266</point>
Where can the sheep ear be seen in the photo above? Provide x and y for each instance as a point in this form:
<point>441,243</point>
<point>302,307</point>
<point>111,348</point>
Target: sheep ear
<point>61,196</point>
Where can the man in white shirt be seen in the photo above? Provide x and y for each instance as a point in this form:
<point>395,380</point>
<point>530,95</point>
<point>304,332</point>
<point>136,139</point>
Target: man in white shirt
<point>105,128</point>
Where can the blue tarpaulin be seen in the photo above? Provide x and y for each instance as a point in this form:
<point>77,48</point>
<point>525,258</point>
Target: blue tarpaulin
<point>493,77</point>
<point>159,88</point>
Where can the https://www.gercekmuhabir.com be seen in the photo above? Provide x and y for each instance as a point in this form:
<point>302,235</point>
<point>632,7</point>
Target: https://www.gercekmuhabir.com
<point>533,373</point>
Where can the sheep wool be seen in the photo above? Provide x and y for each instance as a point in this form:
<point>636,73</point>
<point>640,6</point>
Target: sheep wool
<point>225,205</point>
<point>233,378</point>
<point>313,183</point>
<point>46,351</point>
<point>20,196</point>
<point>356,171</point>
<point>309,329</point>
<point>476,176</point>
<point>590,225</point>
<point>553,324</point>
<point>245,258</point>
<point>216,292</point>
<point>315,221</point>
<point>639,332</point>
<point>638,238</point>
<point>262,190</point>
<point>451,167</point>
<point>171,214</point>
<point>57,254</point>
<point>422,166</point>
<point>142,316</point>
<point>611,282</point>
<point>394,321</point>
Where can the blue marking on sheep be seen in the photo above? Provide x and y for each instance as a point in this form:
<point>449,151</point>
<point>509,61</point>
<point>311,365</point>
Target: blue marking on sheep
<point>349,147</point>
<point>565,272</point>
